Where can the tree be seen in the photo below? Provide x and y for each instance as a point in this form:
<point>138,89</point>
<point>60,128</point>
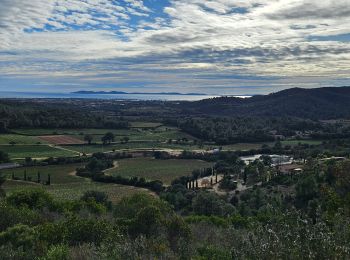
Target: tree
<point>97,196</point>
<point>306,189</point>
<point>108,138</point>
<point>88,139</point>
<point>148,221</point>
<point>48,179</point>
<point>4,157</point>
<point>31,198</point>
<point>28,160</point>
<point>125,140</point>
<point>266,159</point>
<point>209,204</point>
<point>2,181</point>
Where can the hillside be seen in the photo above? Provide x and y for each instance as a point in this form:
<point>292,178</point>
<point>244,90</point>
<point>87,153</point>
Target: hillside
<point>320,103</point>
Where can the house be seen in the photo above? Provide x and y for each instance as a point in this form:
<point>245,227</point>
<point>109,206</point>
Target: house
<point>290,169</point>
<point>334,158</point>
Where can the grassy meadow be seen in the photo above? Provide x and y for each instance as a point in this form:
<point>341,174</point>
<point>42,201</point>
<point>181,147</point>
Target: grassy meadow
<point>19,139</point>
<point>296,142</point>
<point>60,174</point>
<point>153,169</point>
<point>64,184</point>
<point>35,151</point>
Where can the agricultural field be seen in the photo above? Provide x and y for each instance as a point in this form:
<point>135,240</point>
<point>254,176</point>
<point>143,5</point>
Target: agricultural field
<point>88,149</point>
<point>145,135</point>
<point>60,174</point>
<point>161,133</point>
<point>296,142</point>
<point>82,132</point>
<point>35,151</point>
<point>145,124</point>
<point>74,191</point>
<point>64,183</point>
<point>153,169</point>
<point>19,139</point>
<point>134,145</point>
<point>243,146</point>
<point>60,139</point>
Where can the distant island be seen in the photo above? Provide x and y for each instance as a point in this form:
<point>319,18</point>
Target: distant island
<point>86,92</point>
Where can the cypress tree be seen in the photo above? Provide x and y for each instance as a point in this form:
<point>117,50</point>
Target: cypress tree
<point>48,179</point>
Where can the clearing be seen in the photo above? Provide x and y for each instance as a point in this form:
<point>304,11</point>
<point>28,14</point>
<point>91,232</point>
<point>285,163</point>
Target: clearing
<point>153,169</point>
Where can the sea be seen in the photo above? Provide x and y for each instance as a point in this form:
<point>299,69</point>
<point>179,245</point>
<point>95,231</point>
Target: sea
<point>164,97</point>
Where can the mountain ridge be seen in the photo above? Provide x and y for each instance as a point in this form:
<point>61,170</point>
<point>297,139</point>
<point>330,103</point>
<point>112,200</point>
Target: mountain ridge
<point>87,92</point>
<point>317,103</point>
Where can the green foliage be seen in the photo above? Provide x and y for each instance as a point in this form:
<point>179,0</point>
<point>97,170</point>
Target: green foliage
<point>215,220</point>
<point>12,215</point>
<point>212,253</point>
<point>88,138</point>
<point>306,189</point>
<point>19,236</point>
<point>98,197</point>
<point>227,183</point>
<point>81,230</point>
<point>108,138</point>
<point>129,207</point>
<point>57,252</point>
<point>148,221</point>
<point>31,198</point>
<point>4,157</point>
<point>97,165</point>
<point>2,179</point>
<point>208,204</point>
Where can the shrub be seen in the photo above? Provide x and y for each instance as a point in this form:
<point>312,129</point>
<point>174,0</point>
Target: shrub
<point>32,198</point>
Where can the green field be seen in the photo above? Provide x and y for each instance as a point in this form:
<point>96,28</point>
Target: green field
<point>244,146</point>
<point>34,151</point>
<point>296,142</point>
<point>64,185</point>
<point>142,135</point>
<point>132,145</point>
<point>145,124</point>
<point>129,146</point>
<point>19,139</point>
<point>74,190</point>
<point>52,131</point>
<point>160,134</point>
<point>59,173</point>
<point>152,169</point>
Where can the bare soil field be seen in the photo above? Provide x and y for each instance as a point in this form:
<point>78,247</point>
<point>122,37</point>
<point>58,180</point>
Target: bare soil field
<point>61,139</point>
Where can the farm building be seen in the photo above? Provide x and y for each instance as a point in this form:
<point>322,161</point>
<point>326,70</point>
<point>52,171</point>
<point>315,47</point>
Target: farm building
<point>290,169</point>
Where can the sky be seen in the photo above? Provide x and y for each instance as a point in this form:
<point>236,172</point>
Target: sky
<point>238,47</point>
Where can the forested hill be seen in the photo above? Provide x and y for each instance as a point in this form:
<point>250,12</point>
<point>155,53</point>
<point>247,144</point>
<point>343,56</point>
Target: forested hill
<point>320,103</point>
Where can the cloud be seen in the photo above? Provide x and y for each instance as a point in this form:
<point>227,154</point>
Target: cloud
<point>310,9</point>
<point>179,44</point>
